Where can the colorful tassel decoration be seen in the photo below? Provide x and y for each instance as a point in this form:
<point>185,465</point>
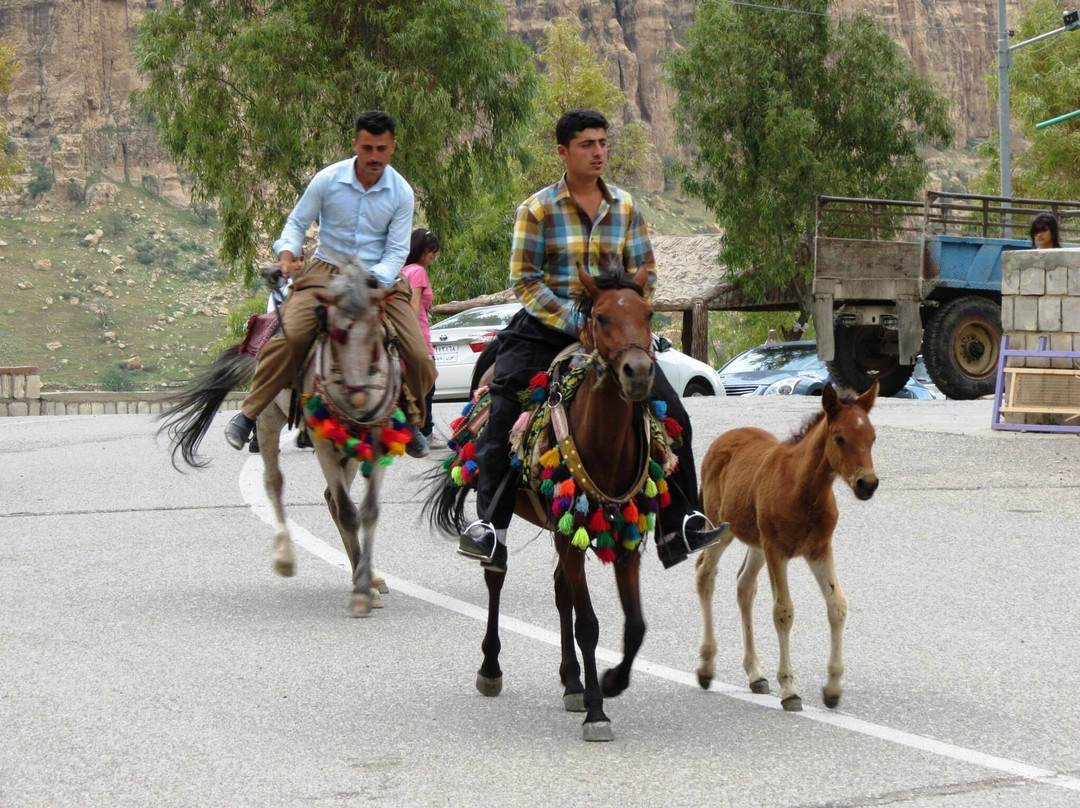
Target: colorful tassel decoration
<point>659,408</point>
<point>551,458</point>
<point>597,523</point>
<point>581,538</point>
<point>581,505</point>
<point>566,524</point>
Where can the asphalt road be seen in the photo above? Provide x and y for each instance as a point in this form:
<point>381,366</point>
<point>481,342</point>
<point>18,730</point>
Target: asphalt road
<point>150,657</point>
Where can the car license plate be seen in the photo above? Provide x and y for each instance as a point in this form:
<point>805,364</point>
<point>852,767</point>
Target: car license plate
<point>445,353</point>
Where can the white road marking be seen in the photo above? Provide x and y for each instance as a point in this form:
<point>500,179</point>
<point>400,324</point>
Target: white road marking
<point>251,488</point>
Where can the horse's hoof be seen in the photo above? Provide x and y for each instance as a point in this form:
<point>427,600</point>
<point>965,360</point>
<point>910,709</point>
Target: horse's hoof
<point>704,681</point>
<point>285,567</point>
<point>361,605</point>
<point>376,601</point>
<point>597,731</point>
<point>380,585</point>
<point>488,685</point>
<point>574,702</point>
<point>608,687</point>
<point>761,686</point>
<point>830,701</point>
<point>792,704</point>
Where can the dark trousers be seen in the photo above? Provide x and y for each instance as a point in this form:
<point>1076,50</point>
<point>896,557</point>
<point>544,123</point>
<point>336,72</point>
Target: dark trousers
<point>429,425</point>
<point>526,347</point>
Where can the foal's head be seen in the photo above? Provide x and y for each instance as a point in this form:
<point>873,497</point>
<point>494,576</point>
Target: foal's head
<point>351,321</point>
<point>619,328</point>
<point>850,437</point>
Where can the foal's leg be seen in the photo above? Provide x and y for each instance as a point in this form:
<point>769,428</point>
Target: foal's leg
<point>597,726</point>
<point>825,572</point>
<point>746,591</point>
<point>783,617</point>
<point>269,425</point>
<point>706,584</point>
<point>569,669</point>
<point>627,578</point>
<point>365,596</point>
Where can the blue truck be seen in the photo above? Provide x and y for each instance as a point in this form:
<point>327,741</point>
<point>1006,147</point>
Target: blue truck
<point>895,279</point>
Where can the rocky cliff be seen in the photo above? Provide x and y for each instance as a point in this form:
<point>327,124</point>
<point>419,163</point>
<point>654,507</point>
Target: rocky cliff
<point>69,107</point>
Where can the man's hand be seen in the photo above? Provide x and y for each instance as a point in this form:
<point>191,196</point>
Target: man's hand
<point>290,263</point>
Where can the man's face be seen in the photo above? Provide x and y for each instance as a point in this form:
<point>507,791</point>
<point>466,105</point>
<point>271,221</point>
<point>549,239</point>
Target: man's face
<point>586,155</point>
<point>373,153</point>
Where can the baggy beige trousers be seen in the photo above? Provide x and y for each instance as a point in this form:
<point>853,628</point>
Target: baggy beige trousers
<point>283,353</point>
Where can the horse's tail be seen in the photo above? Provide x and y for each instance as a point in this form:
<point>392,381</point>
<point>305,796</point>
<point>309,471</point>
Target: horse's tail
<point>444,505</point>
<point>197,404</point>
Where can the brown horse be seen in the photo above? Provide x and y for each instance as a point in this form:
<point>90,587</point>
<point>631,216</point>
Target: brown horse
<point>606,422</point>
<point>778,499</point>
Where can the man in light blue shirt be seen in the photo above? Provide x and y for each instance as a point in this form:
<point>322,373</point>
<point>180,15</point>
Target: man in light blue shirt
<point>364,209</point>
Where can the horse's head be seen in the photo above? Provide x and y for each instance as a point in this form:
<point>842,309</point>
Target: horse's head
<point>618,327</point>
<point>352,323</point>
<point>850,437</point>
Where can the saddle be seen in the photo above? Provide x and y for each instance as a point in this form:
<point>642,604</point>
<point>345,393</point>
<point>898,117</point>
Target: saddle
<point>551,472</point>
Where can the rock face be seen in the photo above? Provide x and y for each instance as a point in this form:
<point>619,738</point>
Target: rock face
<point>69,107</point>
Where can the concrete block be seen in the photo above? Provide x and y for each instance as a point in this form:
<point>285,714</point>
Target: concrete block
<point>33,386</point>
<point>18,386</point>
<point>1032,342</point>
<point>35,406</point>
<point>1074,281</point>
<point>121,408</point>
<point>1070,314</point>
<point>110,408</point>
<point>1025,313</point>
<point>1007,313</point>
<point>49,408</point>
<point>17,408</point>
<point>1010,278</point>
<point>1057,281</point>
<point>1033,281</point>
<point>84,408</point>
<point>6,380</point>
<point>142,407</point>
<point>1061,341</point>
<point>97,408</point>
<point>1049,313</point>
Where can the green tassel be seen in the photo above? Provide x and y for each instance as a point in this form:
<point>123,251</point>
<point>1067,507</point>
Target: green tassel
<point>581,539</point>
<point>547,488</point>
<point>650,489</point>
<point>446,464</point>
<point>655,471</point>
<point>398,415</point>
<point>630,545</point>
<point>605,540</point>
<point>386,460</point>
<point>650,521</point>
<point>456,476</point>
<point>366,468</point>
<point>566,524</point>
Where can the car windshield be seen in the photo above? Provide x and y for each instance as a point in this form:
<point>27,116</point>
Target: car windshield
<point>479,318</point>
<point>787,357</point>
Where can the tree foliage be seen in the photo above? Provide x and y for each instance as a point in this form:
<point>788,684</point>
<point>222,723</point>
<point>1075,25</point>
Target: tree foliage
<point>10,164</point>
<point>779,107</point>
<point>1044,83</point>
<point>253,96</point>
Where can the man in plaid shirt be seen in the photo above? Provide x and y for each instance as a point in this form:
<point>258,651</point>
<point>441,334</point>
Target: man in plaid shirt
<point>578,221</point>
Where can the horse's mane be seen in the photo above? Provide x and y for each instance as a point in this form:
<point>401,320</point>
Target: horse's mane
<point>353,293</point>
<point>608,280</point>
<point>846,397</point>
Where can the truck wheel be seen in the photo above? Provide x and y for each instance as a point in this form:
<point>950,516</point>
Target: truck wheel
<point>860,360</point>
<point>961,347</point>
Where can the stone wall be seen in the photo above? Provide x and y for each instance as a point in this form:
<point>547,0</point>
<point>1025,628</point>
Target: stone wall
<point>20,394</point>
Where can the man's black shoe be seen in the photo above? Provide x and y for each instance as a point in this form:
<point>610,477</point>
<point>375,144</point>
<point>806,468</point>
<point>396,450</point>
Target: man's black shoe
<point>418,446</point>
<point>303,440</point>
<point>479,542</point>
<point>676,548</point>
<point>238,430</point>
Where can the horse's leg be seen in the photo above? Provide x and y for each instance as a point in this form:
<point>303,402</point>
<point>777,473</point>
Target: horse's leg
<point>783,617</point>
<point>269,425</point>
<point>489,677</point>
<point>377,583</point>
<point>365,596</point>
<point>569,669</point>
<point>597,726</point>
<point>341,507</point>
<point>706,585</point>
<point>746,591</point>
<point>825,572</point>
<point>628,580</point>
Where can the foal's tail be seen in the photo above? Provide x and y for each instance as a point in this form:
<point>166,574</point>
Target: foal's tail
<point>197,404</point>
<point>444,505</point>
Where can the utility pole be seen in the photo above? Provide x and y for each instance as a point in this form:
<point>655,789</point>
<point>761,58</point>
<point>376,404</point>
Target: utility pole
<point>1071,21</point>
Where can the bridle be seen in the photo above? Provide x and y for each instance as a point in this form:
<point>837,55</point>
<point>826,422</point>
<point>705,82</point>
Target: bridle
<point>605,366</point>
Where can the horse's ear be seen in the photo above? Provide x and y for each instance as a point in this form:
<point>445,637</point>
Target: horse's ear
<point>587,282</point>
<point>641,279</point>
<point>867,399</point>
<point>830,401</point>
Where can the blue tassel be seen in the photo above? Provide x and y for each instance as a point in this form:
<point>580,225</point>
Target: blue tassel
<point>630,533</point>
<point>537,395</point>
<point>659,408</point>
<point>471,466</point>
<point>582,505</point>
<point>466,408</point>
<point>515,463</point>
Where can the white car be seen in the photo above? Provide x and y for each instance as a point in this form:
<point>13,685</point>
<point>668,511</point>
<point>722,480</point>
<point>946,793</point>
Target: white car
<point>460,339</point>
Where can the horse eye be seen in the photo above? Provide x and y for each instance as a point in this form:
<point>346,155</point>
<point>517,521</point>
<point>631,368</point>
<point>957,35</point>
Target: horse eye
<point>603,319</point>
<point>839,440</point>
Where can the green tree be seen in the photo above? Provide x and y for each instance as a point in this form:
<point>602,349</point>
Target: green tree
<point>1044,83</point>
<point>779,106</point>
<point>10,164</point>
<point>252,97</point>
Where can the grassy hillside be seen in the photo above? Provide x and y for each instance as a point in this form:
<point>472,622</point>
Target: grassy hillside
<point>148,294</point>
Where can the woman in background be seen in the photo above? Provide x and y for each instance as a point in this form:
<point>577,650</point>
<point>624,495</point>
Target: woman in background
<point>423,249</point>
<point>1044,232</point>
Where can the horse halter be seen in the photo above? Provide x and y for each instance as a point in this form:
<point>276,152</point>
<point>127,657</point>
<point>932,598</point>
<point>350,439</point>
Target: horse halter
<point>605,365</point>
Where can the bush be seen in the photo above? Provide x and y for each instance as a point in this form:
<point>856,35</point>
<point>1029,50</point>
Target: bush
<point>43,180</point>
<point>117,378</point>
<point>115,223</point>
<point>144,257</point>
<point>76,193</point>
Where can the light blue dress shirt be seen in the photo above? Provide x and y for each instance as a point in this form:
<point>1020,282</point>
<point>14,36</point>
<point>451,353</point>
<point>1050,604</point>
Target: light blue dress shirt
<point>375,225</point>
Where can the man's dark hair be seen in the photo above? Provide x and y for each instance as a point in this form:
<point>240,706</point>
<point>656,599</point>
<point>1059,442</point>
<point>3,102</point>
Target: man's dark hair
<point>577,120</point>
<point>376,121</point>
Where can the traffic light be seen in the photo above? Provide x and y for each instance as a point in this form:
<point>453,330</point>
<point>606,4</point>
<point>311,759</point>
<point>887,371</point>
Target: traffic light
<point>1071,20</point>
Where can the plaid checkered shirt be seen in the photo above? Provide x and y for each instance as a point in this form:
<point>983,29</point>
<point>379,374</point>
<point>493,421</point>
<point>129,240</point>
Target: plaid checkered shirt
<point>553,237</point>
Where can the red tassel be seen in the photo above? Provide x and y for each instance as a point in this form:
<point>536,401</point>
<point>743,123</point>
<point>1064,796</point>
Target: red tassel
<point>468,451</point>
<point>457,422</point>
<point>539,380</point>
<point>605,554</point>
<point>664,499</point>
<point>672,426</point>
<point>597,522</point>
<point>566,488</point>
